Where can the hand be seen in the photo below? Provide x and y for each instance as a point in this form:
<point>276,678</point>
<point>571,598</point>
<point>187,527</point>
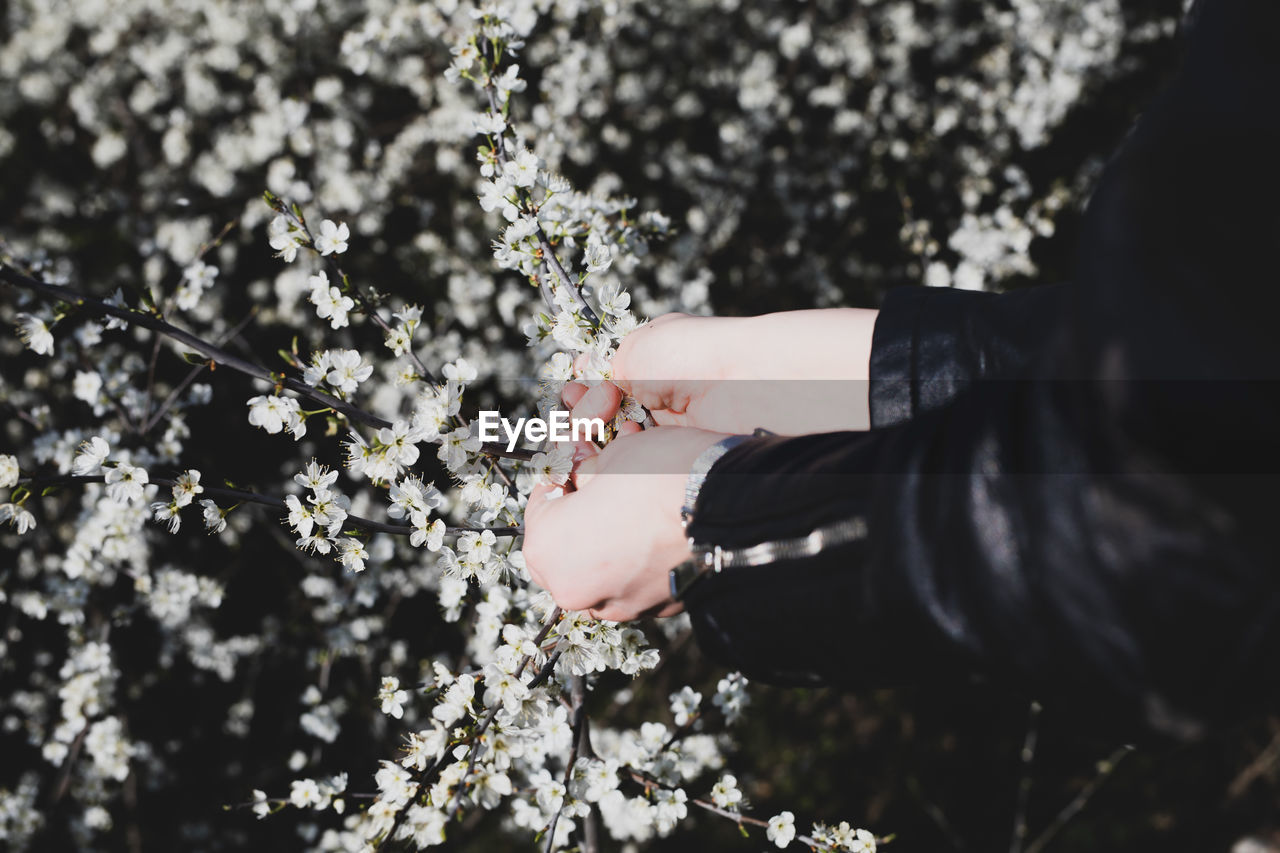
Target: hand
<point>734,374</point>
<point>607,543</point>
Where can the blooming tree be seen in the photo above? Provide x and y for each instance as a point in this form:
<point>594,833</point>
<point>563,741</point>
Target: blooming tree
<point>436,224</point>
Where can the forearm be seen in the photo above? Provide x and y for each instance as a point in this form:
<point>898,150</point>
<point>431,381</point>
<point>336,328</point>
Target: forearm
<point>818,344</point>
<point>814,363</point>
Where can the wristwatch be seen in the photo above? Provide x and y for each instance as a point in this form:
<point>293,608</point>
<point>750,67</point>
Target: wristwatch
<point>699,470</point>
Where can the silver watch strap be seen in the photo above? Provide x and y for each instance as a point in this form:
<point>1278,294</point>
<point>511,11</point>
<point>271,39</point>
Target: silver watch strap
<point>712,559</point>
<point>699,470</point>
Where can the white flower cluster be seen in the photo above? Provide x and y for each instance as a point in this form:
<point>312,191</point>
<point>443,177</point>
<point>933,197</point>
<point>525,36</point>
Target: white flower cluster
<point>318,523</point>
<point>14,513</point>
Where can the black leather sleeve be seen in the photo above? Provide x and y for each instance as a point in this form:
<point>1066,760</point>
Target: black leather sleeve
<point>1096,525</point>
<point>930,343</point>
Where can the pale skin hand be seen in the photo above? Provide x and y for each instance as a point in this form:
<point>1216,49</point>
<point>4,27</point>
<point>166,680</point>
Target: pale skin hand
<point>734,374</point>
<point>607,545</point>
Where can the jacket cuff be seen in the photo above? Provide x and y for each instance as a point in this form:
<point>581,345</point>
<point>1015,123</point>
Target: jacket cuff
<point>921,351</point>
<point>930,343</point>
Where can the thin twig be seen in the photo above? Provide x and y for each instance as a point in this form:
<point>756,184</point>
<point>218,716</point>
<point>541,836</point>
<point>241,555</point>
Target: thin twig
<point>366,306</point>
<point>204,249</point>
<point>737,817</point>
<point>474,751</point>
<point>242,496</point>
<point>547,668</point>
<point>372,312</point>
<point>1264,762</point>
<point>172,399</point>
<point>218,355</point>
<point>935,813</point>
<point>64,778</point>
<point>578,691</point>
<point>127,419</point>
<point>1027,757</point>
<point>1105,770</point>
<point>57,292</point>
<point>548,252</point>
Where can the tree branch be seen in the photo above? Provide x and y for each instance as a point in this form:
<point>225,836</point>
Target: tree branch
<point>216,354</point>
<point>1105,770</point>
<point>242,496</point>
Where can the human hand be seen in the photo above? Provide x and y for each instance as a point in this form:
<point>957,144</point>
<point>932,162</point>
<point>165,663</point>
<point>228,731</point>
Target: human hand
<point>734,374</point>
<point>606,542</point>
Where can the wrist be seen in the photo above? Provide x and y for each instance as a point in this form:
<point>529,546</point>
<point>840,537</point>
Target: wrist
<point>692,445</point>
<point>698,471</point>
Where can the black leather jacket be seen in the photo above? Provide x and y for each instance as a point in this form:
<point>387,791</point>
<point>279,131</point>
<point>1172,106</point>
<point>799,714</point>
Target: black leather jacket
<point>1072,488</point>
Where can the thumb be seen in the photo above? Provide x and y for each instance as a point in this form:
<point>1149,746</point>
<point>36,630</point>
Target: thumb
<point>586,470</point>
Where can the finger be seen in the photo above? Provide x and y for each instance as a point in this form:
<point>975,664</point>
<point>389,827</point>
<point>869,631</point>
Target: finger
<point>662,417</point>
<point>629,428</point>
<point>536,514</point>
<point>585,470</point>
<point>613,611</point>
<point>540,499</point>
<point>601,401</point>
<point>564,543</point>
<point>572,393</point>
<point>583,449</point>
<point>670,608</point>
<point>616,610</point>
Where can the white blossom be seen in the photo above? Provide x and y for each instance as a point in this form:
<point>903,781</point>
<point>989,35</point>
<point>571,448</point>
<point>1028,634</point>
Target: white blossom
<point>9,471</point>
<point>215,519</point>
<point>92,454</point>
<point>725,793</point>
<point>286,238</point>
<point>277,414</point>
<point>351,553</point>
<point>305,793</point>
<point>391,698</point>
<point>330,303</point>
<point>347,369</point>
<point>332,238</point>
<point>522,169</point>
<point>167,513</point>
<point>781,829</point>
<point>125,482</point>
<point>684,705</point>
<point>552,467</point>
<point>186,487</point>
<point>21,518</point>
<point>35,334</point>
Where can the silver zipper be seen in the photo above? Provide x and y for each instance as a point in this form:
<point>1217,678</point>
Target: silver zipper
<point>712,559</point>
